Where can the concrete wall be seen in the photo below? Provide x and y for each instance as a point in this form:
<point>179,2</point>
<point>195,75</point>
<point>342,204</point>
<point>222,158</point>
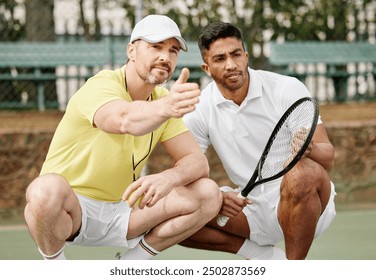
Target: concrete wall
<point>354,172</point>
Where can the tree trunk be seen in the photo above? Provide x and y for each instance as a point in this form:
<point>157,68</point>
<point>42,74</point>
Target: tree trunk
<point>40,27</point>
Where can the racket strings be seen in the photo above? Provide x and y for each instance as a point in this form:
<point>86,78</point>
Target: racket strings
<point>289,139</point>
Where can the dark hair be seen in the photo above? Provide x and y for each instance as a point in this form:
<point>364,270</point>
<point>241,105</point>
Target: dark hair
<point>214,31</point>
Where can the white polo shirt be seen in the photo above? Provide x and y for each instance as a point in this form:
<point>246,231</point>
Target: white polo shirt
<point>239,133</point>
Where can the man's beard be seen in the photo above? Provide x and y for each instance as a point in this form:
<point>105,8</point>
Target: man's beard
<point>152,79</point>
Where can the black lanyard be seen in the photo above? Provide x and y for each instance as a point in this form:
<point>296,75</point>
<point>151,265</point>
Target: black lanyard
<point>148,153</point>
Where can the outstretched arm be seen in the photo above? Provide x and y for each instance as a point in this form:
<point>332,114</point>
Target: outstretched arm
<point>142,117</point>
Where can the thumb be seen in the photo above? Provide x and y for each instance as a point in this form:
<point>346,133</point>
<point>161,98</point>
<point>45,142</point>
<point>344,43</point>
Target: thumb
<point>184,75</point>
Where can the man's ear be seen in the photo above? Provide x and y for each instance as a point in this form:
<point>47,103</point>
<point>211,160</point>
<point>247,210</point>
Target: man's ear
<point>131,49</point>
<point>206,68</point>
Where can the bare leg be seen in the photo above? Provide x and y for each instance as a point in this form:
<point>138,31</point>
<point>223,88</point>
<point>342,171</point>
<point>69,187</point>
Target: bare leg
<point>232,238</point>
<point>179,215</point>
<point>305,192</point>
<point>52,212</point>
<point>227,239</point>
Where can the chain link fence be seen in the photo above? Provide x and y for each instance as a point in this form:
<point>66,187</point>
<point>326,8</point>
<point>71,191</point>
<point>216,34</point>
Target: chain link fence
<point>43,62</point>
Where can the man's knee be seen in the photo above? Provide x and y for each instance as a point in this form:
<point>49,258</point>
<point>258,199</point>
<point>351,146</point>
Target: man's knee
<point>209,195</point>
<point>305,179</point>
<point>46,192</point>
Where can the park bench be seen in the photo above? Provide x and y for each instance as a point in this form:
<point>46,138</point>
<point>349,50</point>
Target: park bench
<point>337,61</point>
<point>40,63</point>
<point>48,62</point>
<point>37,63</point>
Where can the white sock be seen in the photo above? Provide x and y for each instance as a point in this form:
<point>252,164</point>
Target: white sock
<point>251,250</point>
<point>57,256</point>
<point>142,251</point>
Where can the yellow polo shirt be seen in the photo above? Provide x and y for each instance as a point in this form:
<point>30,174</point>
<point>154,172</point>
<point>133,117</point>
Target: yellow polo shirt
<point>99,164</point>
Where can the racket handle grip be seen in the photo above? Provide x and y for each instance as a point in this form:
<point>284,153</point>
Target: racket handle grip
<point>222,220</point>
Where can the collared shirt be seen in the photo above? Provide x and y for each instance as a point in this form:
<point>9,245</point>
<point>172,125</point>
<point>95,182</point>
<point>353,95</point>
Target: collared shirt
<point>95,163</point>
<point>239,133</point>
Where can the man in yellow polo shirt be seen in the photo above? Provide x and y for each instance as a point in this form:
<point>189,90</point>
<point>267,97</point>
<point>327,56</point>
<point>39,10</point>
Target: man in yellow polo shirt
<point>89,191</point>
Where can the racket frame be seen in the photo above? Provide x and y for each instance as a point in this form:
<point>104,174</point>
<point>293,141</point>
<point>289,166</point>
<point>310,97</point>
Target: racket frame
<point>251,183</point>
<point>222,220</point>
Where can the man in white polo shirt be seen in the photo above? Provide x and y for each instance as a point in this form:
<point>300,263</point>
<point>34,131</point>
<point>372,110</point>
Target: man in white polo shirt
<point>236,114</point>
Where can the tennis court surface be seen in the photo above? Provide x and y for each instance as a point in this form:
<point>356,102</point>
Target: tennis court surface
<point>351,237</point>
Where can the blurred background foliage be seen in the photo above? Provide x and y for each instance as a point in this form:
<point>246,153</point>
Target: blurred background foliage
<point>260,21</point>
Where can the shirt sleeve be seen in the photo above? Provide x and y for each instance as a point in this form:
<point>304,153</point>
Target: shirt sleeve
<point>198,125</point>
<point>295,90</point>
<point>97,91</point>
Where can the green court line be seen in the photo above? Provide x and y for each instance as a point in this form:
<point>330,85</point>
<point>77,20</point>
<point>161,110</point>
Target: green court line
<point>352,236</point>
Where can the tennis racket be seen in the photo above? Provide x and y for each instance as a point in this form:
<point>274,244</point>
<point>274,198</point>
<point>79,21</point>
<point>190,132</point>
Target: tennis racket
<point>286,145</point>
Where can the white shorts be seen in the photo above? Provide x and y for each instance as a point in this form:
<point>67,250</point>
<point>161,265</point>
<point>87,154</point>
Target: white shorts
<point>104,224</point>
<point>262,214</point>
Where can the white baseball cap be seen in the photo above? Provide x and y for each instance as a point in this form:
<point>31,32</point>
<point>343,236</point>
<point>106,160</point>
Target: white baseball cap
<point>157,28</point>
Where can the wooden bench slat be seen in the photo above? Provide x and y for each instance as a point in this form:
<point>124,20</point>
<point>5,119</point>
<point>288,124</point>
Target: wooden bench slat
<point>337,53</point>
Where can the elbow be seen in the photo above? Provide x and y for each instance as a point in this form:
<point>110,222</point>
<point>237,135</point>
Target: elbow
<point>329,166</point>
<point>206,172</point>
<point>199,166</point>
<point>113,125</point>
<point>205,167</point>
<point>123,128</point>
<point>126,126</point>
<point>330,163</point>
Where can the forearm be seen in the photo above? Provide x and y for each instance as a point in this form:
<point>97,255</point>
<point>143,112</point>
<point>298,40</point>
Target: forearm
<point>188,169</point>
<point>135,118</point>
<point>142,117</point>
